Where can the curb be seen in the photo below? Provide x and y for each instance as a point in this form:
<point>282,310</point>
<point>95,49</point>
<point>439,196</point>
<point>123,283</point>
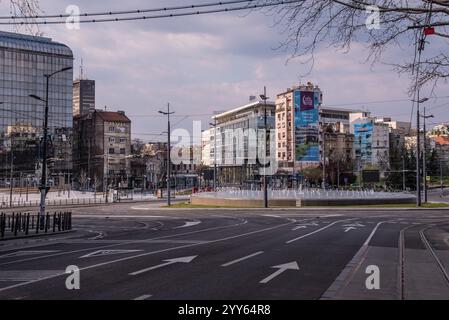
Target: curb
<point>37,235</point>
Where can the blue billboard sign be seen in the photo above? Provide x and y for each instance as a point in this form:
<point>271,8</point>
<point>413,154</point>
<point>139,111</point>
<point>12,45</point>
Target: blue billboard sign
<point>306,104</point>
<point>363,139</point>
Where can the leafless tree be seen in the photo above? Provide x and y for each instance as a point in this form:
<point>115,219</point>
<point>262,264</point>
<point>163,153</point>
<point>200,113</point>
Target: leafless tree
<point>309,25</point>
<point>29,9</point>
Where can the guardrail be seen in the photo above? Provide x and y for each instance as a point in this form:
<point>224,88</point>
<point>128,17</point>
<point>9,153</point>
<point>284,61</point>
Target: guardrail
<point>55,202</point>
<point>26,223</point>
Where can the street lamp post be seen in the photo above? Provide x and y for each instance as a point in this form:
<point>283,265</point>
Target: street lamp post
<point>265,186</point>
<point>214,125</point>
<point>418,151</point>
<point>43,186</point>
<point>168,113</point>
<point>403,173</point>
<point>424,160</point>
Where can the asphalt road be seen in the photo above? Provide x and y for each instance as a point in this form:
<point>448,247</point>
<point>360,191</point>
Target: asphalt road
<point>134,251</point>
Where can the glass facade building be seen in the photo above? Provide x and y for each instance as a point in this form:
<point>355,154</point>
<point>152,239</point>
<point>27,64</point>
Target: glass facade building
<point>24,60</point>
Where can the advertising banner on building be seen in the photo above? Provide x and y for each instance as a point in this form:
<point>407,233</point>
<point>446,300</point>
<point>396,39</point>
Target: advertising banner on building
<point>363,138</point>
<point>306,104</point>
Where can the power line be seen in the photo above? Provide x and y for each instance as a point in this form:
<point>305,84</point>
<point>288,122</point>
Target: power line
<point>121,12</point>
<point>161,16</point>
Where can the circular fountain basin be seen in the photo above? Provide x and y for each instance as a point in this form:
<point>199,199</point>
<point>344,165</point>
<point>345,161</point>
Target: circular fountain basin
<point>299,198</point>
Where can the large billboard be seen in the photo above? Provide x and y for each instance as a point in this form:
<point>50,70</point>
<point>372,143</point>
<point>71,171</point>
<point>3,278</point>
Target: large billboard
<point>306,104</point>
<point>363,139</point>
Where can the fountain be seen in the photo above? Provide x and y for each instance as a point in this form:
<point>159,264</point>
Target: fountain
<point>300,197</point>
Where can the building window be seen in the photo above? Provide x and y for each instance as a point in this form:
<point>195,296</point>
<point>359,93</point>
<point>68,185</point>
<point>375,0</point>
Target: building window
<point>111,139</point>
<point>111,151</point>
<point>122,139</point>
<point>111,129</point>
<point>122,151</point>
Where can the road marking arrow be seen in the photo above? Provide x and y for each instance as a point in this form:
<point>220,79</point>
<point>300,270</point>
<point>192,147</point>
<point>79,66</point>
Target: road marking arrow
<point>106,253</point>
<point>188,224</point>
<point>167,262</point>
<point>299,227</point>
<point>349,228</point>
<point>27,253</point>
<point>282,268</point>
<point>356,224</point>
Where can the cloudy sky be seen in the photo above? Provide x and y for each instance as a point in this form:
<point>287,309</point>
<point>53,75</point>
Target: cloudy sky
<point>202,64</point>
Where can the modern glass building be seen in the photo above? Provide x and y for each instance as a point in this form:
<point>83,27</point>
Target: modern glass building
<point>24,60</point>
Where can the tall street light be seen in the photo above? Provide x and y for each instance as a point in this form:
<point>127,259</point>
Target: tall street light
<point>418,151</point>
<point>214,125</point>
<point>43,186</point>
<point>424,160</point>
<point>265,187</point>
<point>168,113</point>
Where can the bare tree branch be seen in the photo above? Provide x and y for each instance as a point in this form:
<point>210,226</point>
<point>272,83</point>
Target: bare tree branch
<point>311,24</point>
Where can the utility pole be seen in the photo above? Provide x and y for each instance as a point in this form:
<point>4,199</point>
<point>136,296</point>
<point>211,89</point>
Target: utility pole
<point>425,117</point>
<point>324,159</point>
<point>441,173</point>
<point>403,173</point>
<point>214,125</point>
<point>168,113</point>
<point>265,186</point>
<point>43,186</point>
<point>11,177</point>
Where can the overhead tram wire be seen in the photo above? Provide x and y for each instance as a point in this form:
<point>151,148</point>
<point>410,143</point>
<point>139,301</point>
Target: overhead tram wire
<point>161,16</point>
<point>122,12</point>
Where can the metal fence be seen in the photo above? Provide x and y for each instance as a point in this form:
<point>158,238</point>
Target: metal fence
<point>55,202</point>
<point>26,223</point>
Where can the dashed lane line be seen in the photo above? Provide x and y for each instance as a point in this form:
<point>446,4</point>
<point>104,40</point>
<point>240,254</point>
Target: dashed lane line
<point>316,231</point>
<point>241,259</point>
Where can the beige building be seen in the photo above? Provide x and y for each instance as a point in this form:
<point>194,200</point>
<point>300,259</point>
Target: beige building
<point>289,137</point>
<point>102,148</point>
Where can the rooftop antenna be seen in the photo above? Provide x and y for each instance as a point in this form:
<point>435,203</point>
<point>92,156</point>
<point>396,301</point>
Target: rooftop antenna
<point>81,70</point>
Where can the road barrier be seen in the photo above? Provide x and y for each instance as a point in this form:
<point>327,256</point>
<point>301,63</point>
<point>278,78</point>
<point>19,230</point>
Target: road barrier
<point>55,202</point>
<point>24,223</point>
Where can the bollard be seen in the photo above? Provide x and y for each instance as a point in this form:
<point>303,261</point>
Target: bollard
<point>54,222</point>
<point>27,224</point>
<point>47,222</point>
<point>2,225</point>
<point>16,226</point>
<point>59,221</point>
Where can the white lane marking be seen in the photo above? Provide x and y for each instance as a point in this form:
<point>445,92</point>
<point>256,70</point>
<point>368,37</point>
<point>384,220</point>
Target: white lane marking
<point>271,215</point>
<point>299,227</point>
<point>167,263</point>
<point>282,268</point>
<point>356,224</point>
<point>100,235</point>
<point>112,216</point>
<point>151,253</point>
<point>242,222</point>
<point>349,229</point>
<point>316,231</point>
<point>100,253</point>
<point>373,232</point>
<point>241,259</point>
<point>144,297</point>
<point>348,271</point>
<point>26,253</point>
<point>188,224</point>
<point>27,275</point>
